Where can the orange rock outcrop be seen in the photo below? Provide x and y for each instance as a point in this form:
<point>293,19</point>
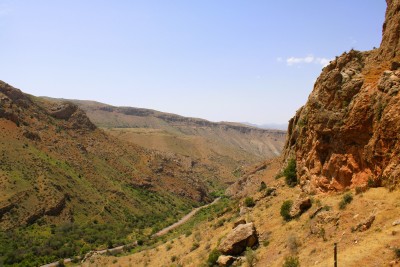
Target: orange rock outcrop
<point>347,134</point>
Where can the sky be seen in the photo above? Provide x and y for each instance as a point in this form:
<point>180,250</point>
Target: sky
<point>222,60</point>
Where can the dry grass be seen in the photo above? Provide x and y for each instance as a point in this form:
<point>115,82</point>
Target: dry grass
<point>373,247</point>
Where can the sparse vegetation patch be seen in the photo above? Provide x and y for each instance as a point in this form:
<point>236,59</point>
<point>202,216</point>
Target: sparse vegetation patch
<point>347,199</point>
<point>285,210</point>
<point>291,262</point>
<point>249,202</point>
<point>290,173</point>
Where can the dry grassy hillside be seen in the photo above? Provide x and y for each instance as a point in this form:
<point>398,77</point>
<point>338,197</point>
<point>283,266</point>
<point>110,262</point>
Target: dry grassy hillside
<point>60,176</point>
<point>223,146</point>
<point>308,238</point>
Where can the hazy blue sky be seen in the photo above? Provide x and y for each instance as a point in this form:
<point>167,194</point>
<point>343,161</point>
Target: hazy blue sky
<point>232,60</point>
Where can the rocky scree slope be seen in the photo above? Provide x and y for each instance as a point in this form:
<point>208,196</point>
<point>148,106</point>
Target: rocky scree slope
<point>56,167</point>
<point>347,134</point>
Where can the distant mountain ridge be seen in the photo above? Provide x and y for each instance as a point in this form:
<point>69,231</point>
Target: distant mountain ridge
<point>256,142</point>
<point>274,126</point>
<point>176,119</point>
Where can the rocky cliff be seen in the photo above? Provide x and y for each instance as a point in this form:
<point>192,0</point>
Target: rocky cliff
<point>347,133</point>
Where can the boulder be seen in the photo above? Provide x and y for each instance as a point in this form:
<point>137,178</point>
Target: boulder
<point>224,260</point>
<point>397,222</point>
<point>243,236</point>
<point>365,225</point>
<point>300,206</point>
<point>241,221</point>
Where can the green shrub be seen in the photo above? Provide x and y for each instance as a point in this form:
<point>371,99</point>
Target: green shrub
<point>250,256</point>
<point>269,191</point>
<point>397,252</point>
<point>285,210</point>
<point>266,243</point>
<point>291,262</point>
<point>263,186</point>
<point>249,202</point>
<point>347,198</point>
<point>188,233</point>
<point>213,257</point>
<point>195,246</point>
<point>290,173</point>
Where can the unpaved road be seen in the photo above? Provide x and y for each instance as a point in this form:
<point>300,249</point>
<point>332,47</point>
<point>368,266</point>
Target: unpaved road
<point>183,219</point>
<point>160,233</point>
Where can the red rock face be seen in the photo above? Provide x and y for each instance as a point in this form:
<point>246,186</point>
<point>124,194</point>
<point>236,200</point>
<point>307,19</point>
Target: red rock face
<point>347,133</point>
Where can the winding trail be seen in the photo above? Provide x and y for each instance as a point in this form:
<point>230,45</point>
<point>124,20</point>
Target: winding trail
<point>159,233</point>
<point>183,219</point>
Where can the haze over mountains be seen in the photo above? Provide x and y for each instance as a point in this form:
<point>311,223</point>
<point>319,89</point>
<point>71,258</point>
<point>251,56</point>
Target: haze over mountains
<point>79,177</point>
<point>57,168</point>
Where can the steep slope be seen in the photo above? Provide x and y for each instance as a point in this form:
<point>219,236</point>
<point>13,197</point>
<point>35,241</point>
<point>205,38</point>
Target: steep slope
<point>258,143</point>
<point>309,237</point>
<point>57,168</point>
<point>223,149</point>
<point>347,134</point>
<point>262,143</point>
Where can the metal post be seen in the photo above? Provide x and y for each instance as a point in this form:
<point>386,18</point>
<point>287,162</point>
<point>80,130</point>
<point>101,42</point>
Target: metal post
<point>335,255</point>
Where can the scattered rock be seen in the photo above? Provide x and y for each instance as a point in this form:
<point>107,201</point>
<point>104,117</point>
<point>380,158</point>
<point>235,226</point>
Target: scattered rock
<point>395,65</point>
<point>63,111</point>
<point>271,191</point>
<point>300,206</point>
<point>241,221</point>
<point>243,210</point>
<point>315,212</point>
<point>365,225</point>
<point>321,221</point>
<point>224,260</point>
<point>397,222</point>
<point>244,235</point>
<point>31,135</point>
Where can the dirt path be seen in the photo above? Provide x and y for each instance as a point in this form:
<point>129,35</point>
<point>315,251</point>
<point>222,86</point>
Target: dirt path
<point>160,233</point>
<point>184,219</point>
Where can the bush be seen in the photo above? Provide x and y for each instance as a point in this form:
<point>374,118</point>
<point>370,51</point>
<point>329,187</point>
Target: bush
<point>291,262</point>
<point>249,202</point>
<point>290,173</point>
<point>263,186</point>
<point>397,252</point>
<point>213,257</point>
<point>347,198</point>
<point>188,233</point>
<point>195,246</point>
<point>269,191</point>
<point>285,210</point>
<point>250,256</point>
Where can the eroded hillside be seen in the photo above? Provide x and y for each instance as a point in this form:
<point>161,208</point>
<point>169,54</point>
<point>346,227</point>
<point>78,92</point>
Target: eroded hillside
<point>224,146</point>
<point>347,134</point>
<point>58,169</point>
